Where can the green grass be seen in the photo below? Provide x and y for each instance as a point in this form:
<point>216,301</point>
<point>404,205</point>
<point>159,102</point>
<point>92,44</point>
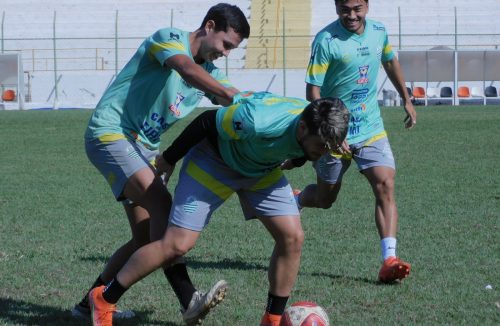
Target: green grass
<point>59,223</point>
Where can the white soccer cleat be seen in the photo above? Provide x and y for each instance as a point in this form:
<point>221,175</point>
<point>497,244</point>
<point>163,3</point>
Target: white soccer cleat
<point>201,303</point>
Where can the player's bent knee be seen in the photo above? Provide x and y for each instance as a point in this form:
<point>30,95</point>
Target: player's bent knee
<point>385,188</point>
<point>176,249</point>
<point>293,242</point>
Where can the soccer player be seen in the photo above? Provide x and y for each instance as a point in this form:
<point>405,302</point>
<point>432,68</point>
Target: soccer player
<point>163,82</point>
<point>345,60</point>
<point>237,149</point>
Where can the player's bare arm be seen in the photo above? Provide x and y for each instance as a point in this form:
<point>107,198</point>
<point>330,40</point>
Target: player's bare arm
<point>223,101</point>
<point>395,74</point>
<point>197,77</point>
<point>312,92</point>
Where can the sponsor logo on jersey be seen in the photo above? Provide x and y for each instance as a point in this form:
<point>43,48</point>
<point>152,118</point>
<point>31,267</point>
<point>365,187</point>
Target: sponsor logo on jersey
<point>378,28</point>
<point>363,74</point>
<point>174,108</point>
<point>359,95</point>
<point>237,125</point>
<point>359,108</point>
<point>174,36</point>
<point>363,51</point>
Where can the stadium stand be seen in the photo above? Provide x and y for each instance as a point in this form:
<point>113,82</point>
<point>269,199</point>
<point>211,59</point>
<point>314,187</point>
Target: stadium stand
<point>446,92</point>
<point>268,20</point>
<point>490,91</point>
<point>8,95</point>
<point>418,92</point>
<point>87,33</point>
<point>476,91</point>
<point>432,92</point>
<point>463,92</point>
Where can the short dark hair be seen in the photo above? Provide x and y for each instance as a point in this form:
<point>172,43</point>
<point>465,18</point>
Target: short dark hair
<point>225,15</point>
<point>328,118</point>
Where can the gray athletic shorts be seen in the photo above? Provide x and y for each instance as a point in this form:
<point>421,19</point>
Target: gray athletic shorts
<point>205,182</point>
<point>375,151</point>
<point>118,160</point>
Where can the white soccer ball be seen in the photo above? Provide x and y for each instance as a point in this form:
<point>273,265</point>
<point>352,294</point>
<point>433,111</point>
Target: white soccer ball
<point>304,313</point>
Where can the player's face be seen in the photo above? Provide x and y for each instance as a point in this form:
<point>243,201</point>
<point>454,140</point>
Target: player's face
<point>313,146</point>
<point>352,15</point>
<point>218,44</point>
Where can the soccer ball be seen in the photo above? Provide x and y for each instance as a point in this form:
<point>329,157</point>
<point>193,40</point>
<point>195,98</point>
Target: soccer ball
<point>304,313</point>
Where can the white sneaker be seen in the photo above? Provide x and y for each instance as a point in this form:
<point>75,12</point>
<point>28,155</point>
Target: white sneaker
<point>82,312</point>
<point>201,303</point>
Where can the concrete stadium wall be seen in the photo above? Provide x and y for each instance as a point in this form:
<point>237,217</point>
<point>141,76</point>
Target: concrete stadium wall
<point>32,21</point>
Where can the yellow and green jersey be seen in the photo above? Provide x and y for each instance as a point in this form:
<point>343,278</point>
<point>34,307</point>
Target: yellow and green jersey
<point>346,65</point>
<point>258,132</point>
<point>146,98</point>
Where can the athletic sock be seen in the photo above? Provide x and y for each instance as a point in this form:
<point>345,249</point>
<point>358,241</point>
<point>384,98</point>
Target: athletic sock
<point>113,292</point>
<point>178,278</point>
<point>388,246</point>
<point>275,304</point>
<point>85,300</point>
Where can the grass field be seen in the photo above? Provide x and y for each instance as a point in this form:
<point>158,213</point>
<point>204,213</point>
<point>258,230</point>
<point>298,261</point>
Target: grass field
<point>59,223</point>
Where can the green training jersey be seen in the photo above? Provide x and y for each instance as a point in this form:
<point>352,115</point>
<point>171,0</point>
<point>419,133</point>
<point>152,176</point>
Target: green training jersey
<point>346,65</point>
<point>146,98</point>
<point>258,132</point>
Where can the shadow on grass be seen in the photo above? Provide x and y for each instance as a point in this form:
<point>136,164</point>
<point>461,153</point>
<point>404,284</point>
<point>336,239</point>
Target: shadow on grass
<point>345,278</point>
<point>232,264</point>
<point>194,263</point>
<point>25,313</point>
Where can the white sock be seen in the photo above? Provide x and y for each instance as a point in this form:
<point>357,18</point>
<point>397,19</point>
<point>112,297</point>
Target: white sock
<point>388,246</point>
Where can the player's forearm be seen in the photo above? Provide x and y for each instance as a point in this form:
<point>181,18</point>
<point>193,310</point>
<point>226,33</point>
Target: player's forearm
<point>395,74</point>
<point>312,92</point>
<point>197,77</point>
<point>225,101</point>
<point>204,126</point>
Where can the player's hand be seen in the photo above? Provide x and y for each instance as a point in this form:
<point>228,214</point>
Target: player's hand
<point>342,149</point>
<point>411,116</point>
<point>163,168</point>
<point>287,165</point>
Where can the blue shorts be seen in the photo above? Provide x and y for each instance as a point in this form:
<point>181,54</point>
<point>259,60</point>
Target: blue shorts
<point>205,182</point>
<point>118,160</point>
<point>375,151</point>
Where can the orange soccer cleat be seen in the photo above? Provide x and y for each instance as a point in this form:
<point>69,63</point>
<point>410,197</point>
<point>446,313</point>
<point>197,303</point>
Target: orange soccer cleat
<point>270,320</point>
<point>393,269</point>
<point>101,310</point>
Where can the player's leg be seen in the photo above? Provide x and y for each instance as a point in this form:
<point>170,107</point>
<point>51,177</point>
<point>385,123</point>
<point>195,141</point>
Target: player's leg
<point>284,264</point>
<point>381,180</point>
<point>147,208</point>
<point>198,193</point>
<point>109,159</point>
<point>270,198</point>
<point>329,171</point>
<point>188,216</point>
<point>148,189</point>
<point>376,162</point>
<point>175,243</point>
